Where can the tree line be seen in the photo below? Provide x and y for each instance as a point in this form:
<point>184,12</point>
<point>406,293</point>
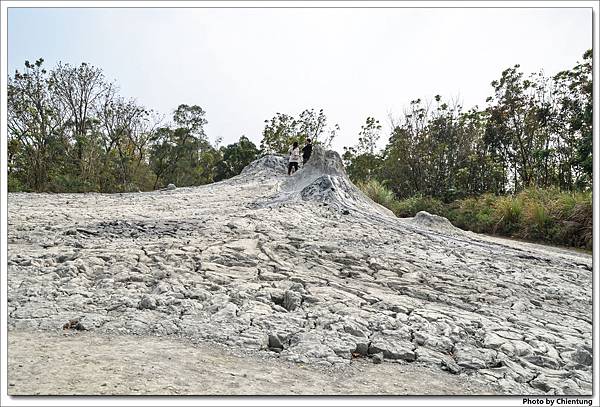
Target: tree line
<point>536,131</point>
<point>69,130</point>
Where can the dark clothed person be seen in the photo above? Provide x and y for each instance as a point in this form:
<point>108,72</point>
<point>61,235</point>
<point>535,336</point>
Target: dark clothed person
<point>306,152</point>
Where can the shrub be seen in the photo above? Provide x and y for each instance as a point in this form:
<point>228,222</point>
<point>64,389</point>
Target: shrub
<point>474,213</point>
<point>14,184</point>
<point>575,223</point>
<point>411,206</point>
<point>70,183</point>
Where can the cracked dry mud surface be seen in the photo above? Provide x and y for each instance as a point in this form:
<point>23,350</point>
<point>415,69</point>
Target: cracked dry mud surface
<point>308,270</point>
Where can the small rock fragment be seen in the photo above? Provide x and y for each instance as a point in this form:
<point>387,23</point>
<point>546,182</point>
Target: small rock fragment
<point>291,300</point>
<point>147,302</point>
<point>275,342</point>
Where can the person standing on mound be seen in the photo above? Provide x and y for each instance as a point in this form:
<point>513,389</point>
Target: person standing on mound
<point>306,151</point>
<point>294,158</point>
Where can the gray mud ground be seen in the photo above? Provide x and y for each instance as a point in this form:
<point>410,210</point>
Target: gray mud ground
<point>42,363</point>
<point>306,268</point>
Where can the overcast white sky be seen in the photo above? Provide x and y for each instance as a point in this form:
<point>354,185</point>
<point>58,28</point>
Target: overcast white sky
<point>243,65</point>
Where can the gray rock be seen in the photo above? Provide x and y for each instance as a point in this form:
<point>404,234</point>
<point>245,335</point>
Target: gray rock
<point>470,357</point>
<point>171,187</point>
<point>341,346</point>
<point>377,358</point>
<point>543,361</point>
<point>291,300</point>
<point>583,357</point>
<point>299,288</point>
<point>522,348</point>
<point>393,348</point>
<point>543,383</point>
<point>310,299</point>
<point>147,302</point>
<point>435,222</point>
<point>451,366</point>
<point>355,330</point>
<point>362,348</point>
<point>226,313</point>
<point>493,341</point>
<point>275,342</point>
<point>278,308</point>
<point>75,324</point>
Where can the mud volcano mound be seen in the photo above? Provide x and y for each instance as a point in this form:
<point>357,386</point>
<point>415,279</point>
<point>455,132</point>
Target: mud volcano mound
<point>304,268</point>
<point>322,179</point>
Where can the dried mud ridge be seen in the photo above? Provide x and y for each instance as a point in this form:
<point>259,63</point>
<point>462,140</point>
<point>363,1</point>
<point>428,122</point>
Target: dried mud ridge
<point>306,267</point>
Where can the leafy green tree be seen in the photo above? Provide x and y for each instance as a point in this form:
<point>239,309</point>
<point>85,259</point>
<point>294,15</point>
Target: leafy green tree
<point>575,119</point>
<point>282,130</point>
<point>311,125</point>
<point>78,90</point>
<point>125,129</point>
<point>192,119</point>
<point>35,128</point>
<point>235,157</point>
<point>519,128</point>
<point>362,162</point>
<point>279,133</point>
<point>182,154</point>
<point>162,151</point>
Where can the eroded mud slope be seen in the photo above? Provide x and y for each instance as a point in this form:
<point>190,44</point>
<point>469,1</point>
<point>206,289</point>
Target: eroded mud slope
<point>306,267</point>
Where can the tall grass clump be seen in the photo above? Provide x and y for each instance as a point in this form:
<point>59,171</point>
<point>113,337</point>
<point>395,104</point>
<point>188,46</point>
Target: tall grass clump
<point>508,214</point>
<point>379,193</point>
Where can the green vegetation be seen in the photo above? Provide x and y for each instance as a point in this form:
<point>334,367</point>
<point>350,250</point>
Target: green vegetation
<point>547,215</point>
<point>282,130</point>
<point>543,215</point>
<point>521,166</point>
<point>534,132</point>
<point>70,131</point>
<point>379,193</point>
